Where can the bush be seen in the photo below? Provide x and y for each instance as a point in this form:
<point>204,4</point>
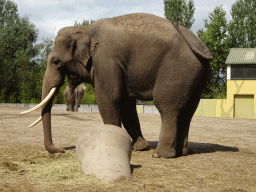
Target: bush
<point>34,101</point>
<point>13,98</point>
<point>89,99</point>
<point>3,95</point>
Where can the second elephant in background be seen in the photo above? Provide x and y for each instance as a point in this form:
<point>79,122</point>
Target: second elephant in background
<point>74,99</point>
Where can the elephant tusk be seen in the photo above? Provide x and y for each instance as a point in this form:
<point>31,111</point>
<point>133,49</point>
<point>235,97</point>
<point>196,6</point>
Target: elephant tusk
<point>49,96</point>
<point>37,121</point>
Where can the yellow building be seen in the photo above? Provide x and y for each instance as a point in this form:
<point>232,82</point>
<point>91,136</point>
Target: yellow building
<point>241,88</point>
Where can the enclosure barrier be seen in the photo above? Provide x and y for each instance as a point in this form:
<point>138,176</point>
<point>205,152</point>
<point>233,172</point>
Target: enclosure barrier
<point>242,106</point>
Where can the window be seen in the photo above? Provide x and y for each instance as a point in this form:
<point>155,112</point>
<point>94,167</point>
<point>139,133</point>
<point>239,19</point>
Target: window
<point>243,71</point>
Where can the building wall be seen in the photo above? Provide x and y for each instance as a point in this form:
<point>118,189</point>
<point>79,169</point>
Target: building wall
<point>226,107</point>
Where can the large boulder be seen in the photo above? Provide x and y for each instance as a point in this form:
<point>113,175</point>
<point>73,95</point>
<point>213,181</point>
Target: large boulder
<point>105,152</point>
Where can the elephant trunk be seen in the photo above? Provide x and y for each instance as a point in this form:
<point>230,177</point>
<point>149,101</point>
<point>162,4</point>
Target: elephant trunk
<point>48,84</point>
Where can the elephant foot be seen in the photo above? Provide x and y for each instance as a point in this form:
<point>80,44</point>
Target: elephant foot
<point>140,144</point>
<point>185,151</point>
<point>67,109</point>
<point>53,149</point>
<point>164,152</point>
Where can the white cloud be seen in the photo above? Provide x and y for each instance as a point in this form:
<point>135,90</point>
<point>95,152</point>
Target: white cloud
<point>154,7</point>
<point>59,17</point>
<point>59,25</point>
<point>51,15</point>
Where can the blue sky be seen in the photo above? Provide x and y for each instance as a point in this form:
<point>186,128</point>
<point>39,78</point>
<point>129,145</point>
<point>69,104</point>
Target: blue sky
<point>51,15</point>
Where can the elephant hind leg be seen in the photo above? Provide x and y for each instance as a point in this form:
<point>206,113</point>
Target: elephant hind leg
<point>171,95</point>
<point>184,120</point>
<point>188,112</point>
<point>169,103</point>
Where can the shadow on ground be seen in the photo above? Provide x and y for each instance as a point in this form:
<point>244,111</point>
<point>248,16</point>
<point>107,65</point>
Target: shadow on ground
<point>70,148</point>
<point>198,148</point>
<point>71,116</point>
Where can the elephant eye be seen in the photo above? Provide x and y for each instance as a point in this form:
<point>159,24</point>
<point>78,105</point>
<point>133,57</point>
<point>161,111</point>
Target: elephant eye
<point>72,76</point>
<point>56,61</point>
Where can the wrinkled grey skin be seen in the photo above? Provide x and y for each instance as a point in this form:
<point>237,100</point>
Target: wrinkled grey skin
<point>74,99</point>
<point>135,56</point>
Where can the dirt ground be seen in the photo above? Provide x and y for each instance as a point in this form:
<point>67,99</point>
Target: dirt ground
<point>222,156</point>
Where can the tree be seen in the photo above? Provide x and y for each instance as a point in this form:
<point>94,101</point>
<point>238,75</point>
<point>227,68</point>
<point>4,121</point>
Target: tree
<point>8,13</point>
<point>215,38</point>
<point>180,11</point>
<point>17,51</point>
<point>44,49</point>
<point>242,27</point>
<point>84,23</point>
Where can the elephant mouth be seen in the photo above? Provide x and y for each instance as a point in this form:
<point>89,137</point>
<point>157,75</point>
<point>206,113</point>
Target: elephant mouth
<point>44,102</point>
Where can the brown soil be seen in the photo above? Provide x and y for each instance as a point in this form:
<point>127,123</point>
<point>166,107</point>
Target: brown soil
<point>222,156</point>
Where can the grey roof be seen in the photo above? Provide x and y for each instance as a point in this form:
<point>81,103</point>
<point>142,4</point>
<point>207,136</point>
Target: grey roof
<point>242,56</point>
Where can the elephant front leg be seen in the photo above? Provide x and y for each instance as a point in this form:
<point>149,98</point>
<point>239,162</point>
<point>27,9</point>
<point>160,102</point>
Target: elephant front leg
<point>67,106</point>
<point>72,106</point>
<point>76,107</point>
<point>131,123</point>
<point>109,109</point>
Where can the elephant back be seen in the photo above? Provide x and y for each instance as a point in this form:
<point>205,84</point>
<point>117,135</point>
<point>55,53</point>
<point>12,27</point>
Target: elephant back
<point>197,46</point>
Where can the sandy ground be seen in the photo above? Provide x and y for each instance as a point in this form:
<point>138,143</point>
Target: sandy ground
<point>222,151</point>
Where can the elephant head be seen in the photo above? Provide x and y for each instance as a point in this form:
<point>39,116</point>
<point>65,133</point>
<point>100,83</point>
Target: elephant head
<point>70,56</point>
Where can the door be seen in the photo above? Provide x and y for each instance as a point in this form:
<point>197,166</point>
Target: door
<point>244,106</point>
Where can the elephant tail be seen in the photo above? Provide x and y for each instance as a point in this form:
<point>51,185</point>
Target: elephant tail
<point>195,44</point>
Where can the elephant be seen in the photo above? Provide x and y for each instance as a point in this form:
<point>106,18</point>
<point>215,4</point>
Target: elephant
<point>74,99</point>
<point>134,56</point>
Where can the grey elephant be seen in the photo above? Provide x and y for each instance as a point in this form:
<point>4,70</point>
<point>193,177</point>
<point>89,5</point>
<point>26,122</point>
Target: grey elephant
<point>134,56</point>
<point>74,99</point>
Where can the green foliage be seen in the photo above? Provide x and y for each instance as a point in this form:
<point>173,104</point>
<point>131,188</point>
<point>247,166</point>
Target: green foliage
<point>215,38</point>
<point>89,99</point>
<point>24,93</point>
<point>84,23</point>
<point>34,101</point>
<point>89,88</point>
<point>17,53</point>
<point>44,49</point>
<point>8,13</point>
<point>180,11</point>
<point>139,102</point>
<point>242,27</point>
<point>61,98</point>
<point>3,95</point>
<point>213,93</point>
<point>13,97</point>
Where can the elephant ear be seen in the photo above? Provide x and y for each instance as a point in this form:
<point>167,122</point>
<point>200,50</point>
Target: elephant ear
<point>83,47</point>
<point>197,46</point>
